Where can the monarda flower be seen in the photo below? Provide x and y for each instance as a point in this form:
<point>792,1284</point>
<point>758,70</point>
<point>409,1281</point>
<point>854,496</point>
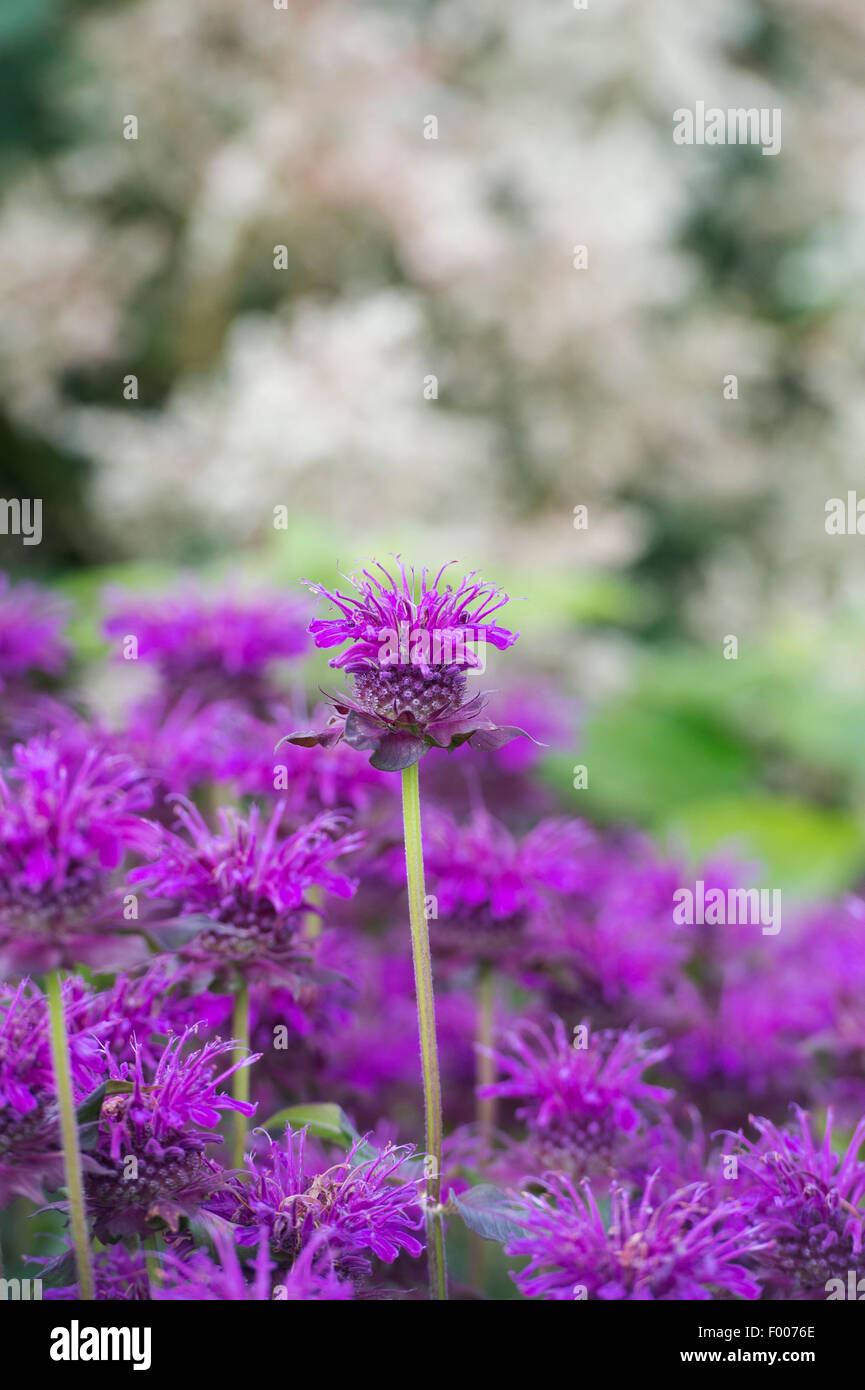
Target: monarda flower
<point>358,1207</point>
<point>688,1247</point>
<point>372,1056</point>
<point>584,1099</point>
<point>31,1157</point>
<point>246,888</point>
<point>614,942</point>
<point>187,744</point>
<point>33,657</point>
<point>139,1005</point>
<point>31,641</point>
<point>307,780</point>
<point>67,818</point>
<point>119,1276</point>
<point>201,1278</point>
<point>491,887</point>
<point>222,646</point>
<point>812,1201</point>
<point>411,644</point>
<point>154,1129</point>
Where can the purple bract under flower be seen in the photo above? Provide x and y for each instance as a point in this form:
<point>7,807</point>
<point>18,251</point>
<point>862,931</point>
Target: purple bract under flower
<point>411,642</point>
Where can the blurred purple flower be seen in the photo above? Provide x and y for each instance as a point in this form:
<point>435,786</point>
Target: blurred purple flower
<point>66,820</point>
<point>613,947</point>
<point>220,645</point>
<point>30,1152</point>
<point>584,1107</point>
<point>31,644</point>
<point>812,1201</point>
<point>120,1275</point>
<point>187,744</point>
<point>136,1006</point>
<point>307,780</point>
<point>371,1058</point>
<point>490,886</point>
<point>200,1277</point>
<point>245,889</point>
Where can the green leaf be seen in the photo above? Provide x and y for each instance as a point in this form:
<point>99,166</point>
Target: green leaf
<point>176,932</point>
<point>645,763</point>
<point>489,1212</point>
<point>91,1107</point>
<point>326,1121</point>
<point>60,1272</point>
<point>808,850</point>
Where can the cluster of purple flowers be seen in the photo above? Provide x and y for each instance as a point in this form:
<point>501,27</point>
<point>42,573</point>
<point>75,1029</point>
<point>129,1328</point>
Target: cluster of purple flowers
<point>602,1066</point>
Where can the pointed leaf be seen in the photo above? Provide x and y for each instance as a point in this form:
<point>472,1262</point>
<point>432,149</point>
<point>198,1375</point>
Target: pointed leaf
<point>489,1211</point>
<point>324,1120</point>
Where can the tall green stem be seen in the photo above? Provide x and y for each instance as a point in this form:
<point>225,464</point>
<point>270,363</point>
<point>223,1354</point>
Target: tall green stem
<point>426,1029</point>
<point>69,1136</point>
<point>150,1248</point>
<point>240,1078</point>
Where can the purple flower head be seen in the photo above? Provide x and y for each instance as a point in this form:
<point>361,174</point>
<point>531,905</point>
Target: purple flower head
<point>752,1043</point>
<point>812,1201</point>
<point>220,645</point>
<point>372,1056</point>
<point>30,1152</point>
<point>154,1129</point>
<point>66,820</point>
<point>614,942</point>
<point>250,882</point>
<point>136,1005</point>
<point>33,655</point>
<point>490,886</point>
<point>31,644</point>
<point>359,1206</point>
<point>686,1247</point>
<point>411,642</point>
<point>584,1098</point>
<point>308,780</point>
<point>119,1276</point>
<point>200,1277</point>
<point>187,743</point>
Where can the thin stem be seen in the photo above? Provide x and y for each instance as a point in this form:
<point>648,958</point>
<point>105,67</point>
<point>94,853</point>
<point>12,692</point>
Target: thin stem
<point>312,922</point>
<point>485,1067</point>
<point>151,1247</point>
<point>69,1136</point>
<point>485,1107</point>
<point>426,1030</point>
<point>240,1078</point>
